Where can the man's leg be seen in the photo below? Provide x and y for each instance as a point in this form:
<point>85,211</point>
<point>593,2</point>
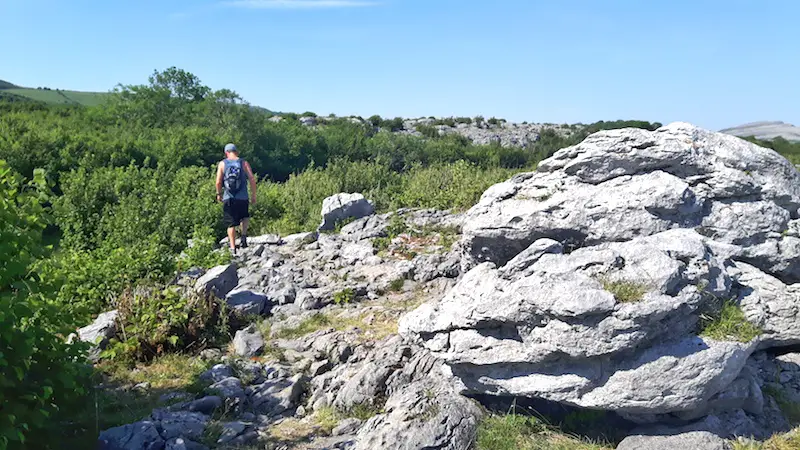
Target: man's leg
<point>232,238</point>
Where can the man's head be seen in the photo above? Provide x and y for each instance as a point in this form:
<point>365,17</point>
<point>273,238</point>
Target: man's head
<point>230,150</point>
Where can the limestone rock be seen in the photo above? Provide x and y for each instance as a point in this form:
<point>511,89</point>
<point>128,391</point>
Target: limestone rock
<point>246,301</point>
<point>347,426</point>
<point>135,436</point>
<point>586,280</point>
<point>424,414</point>
<point>219,281</point>
<point>694,440</point>
<point>248,342</point>
<point>103,328</point>
<point>343,206</point>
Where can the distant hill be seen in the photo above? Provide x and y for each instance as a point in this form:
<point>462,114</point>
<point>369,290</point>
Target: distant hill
<point>766,131</point>
<point>52,96</point>
<point>7,85</point>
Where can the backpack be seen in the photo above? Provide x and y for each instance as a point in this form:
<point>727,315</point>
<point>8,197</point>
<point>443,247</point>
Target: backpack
<point>233,177</point>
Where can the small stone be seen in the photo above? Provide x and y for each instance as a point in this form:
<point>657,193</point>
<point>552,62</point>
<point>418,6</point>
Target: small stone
<point>245,438</point>
<point>230,430</point>
<point>319,367</point>
<point>300,412</point>
<point>230,387</point>
<point>183,444</point>
<point>211,354</point>
<point>142,386</point>
<point>248,417</point>
<point>174,397</point>
<point>205,405</point>
<point>248,342</point>
<point>347,426</point>
<point>216,374</point>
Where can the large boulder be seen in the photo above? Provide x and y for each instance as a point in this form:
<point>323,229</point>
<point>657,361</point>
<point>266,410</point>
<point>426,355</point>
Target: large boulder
<point>620,184</point>
<point>99,333</point>
<point>344,206</point>
<point>246,301</point>
<point>591,280</point>
<point>218,281</point>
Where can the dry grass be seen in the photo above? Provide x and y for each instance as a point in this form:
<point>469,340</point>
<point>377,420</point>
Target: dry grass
<point>293,430</point>
<point>788,441</point>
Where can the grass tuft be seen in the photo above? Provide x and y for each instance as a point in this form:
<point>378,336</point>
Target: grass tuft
<point>327,418</point>
<point>518,432</point>
<point>625,291</point>
<point>314,323</point>
<point>728,323</point>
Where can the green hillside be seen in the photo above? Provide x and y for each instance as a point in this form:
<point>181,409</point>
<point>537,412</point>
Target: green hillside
<point>59,96</point>
<point>52,96</point>
<point>7,85</point>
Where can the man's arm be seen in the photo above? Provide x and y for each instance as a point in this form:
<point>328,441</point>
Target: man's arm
<point>218,183</point>
<point>252,179</point>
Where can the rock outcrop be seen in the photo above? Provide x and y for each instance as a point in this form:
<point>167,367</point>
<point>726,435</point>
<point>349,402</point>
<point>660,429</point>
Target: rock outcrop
<point>591,282</point>
<point>344,206</point>
<point>766,130</point>
<point>653,275</point>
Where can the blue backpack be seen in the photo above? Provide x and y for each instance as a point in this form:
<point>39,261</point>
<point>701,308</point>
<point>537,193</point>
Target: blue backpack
<point>234,177</point>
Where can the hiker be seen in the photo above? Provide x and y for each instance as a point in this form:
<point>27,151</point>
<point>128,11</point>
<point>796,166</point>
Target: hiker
<point>233,173</point>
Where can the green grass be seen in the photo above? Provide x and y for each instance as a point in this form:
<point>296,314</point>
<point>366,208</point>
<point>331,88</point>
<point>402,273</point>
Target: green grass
<point>517,432</point>
<point>728,323</point>
<point>790,409</point>
<point>314,323</point>
<point>625,291</point>
<point>344,297</point>
<point>60,97</point>
<point>327,418</point>
<point>363,411</point>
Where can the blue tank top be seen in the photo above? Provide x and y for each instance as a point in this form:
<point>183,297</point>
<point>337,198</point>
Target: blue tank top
<point>243,192</point>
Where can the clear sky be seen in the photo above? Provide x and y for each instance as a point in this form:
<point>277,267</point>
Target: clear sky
<point>715,63</point>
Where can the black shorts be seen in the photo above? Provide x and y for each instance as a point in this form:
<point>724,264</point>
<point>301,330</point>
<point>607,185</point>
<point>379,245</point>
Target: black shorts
<point>233,211</point>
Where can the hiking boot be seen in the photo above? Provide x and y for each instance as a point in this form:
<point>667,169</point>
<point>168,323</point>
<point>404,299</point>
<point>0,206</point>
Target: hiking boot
<point>232,250</point>
<point>244,241</point>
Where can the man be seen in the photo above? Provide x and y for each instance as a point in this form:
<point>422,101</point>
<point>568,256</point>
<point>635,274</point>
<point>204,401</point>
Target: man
<point>233,174</point>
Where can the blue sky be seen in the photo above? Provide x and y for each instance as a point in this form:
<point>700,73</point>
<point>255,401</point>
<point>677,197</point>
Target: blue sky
<point>710,62</point>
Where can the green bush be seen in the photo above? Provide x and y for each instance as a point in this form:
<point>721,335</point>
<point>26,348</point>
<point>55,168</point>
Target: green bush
<point>454,186</point>
<point>42,376</point>
<point>161,320</point>
<point>204,252</point>
<point>91,280</point>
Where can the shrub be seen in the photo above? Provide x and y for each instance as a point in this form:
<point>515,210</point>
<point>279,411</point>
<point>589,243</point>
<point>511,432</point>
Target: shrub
<point>204,251</point>
<point>42,379</point>
<point>727,322</point>
<point>158,321</point>
<point>397,284</point>
<point>428,131</point>
<point>344,297</point>
<point>90,281</point>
